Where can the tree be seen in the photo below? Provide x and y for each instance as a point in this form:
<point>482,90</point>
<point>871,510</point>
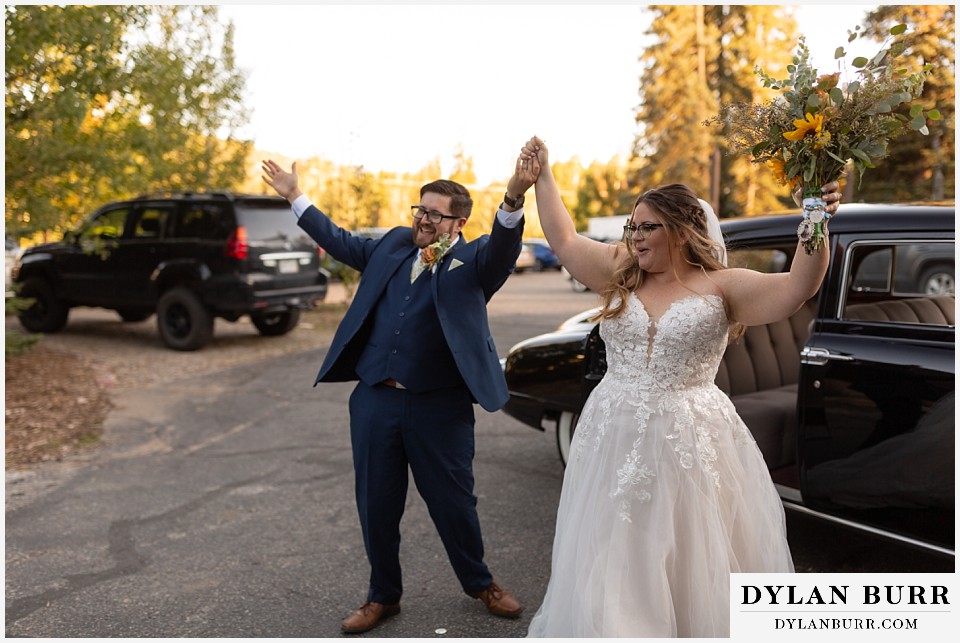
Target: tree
<point>601,191</point>
<point>463,167</point>
<point>675,98</point>
<point>702,57</point>
<point>753,36</point>
<point>568,175</point>
<point>920,167</point>
<point>105,102</point>
<point>353,196</point>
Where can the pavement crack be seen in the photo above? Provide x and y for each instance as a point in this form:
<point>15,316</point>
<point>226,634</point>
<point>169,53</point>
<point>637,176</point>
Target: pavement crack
<point>122,549</point>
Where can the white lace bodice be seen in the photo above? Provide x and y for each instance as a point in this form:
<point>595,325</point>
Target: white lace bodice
<point>664,369</point>
<point>681,350</point>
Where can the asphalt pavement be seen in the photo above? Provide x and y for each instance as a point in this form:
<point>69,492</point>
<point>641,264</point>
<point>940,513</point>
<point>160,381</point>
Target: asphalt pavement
<point>222,506</point>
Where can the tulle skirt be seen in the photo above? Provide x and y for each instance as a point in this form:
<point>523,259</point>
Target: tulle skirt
<point>662,499</point>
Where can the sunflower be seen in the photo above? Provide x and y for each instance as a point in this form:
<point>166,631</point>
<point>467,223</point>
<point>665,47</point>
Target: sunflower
<point>812,123</point>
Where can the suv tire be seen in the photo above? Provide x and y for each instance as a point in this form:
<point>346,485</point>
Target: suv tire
<point>47,314</point>
<point>183,321</point>
<point>276,324</point>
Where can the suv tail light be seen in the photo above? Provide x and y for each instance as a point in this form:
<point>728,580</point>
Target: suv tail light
<point>237,245</point>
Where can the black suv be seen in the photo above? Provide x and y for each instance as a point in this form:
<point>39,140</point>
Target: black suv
<point>188,257</point>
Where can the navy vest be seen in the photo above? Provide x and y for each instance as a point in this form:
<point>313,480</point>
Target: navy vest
<point>406,342</point>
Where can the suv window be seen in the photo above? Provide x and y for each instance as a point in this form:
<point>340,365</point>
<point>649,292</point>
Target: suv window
<point>151,222</point>
<point>203,221</point>
<point>266,223</point>
<point>903,282</point>
<point>106,225</point>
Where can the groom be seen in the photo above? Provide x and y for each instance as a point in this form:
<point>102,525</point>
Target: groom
<point>416,337</point>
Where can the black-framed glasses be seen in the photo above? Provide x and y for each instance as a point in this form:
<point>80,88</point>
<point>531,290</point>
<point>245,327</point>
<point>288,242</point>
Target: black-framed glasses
<point>644,229</point>
<point>419,212</point>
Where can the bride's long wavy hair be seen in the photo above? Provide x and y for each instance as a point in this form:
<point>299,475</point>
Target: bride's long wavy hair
<point>679,210</point>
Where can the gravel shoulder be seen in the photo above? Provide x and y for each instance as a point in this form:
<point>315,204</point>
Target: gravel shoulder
<point>58,393</point>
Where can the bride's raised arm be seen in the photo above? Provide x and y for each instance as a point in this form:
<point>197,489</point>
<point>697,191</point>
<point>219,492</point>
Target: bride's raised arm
<point>591,262</point>
<point>756,298</point>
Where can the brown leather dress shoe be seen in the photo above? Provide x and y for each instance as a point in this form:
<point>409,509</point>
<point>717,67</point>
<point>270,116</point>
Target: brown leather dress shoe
<point>367,617</point>
<point>499,601</point>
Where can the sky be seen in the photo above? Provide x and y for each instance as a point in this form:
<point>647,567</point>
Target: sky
<point>394,86</point>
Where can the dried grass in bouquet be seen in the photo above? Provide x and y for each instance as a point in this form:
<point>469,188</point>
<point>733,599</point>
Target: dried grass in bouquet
<point>818,123</point>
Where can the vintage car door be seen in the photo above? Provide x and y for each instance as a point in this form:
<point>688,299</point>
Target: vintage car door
<point>876,395</point>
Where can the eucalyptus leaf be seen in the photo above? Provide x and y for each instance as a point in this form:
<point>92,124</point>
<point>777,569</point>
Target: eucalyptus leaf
<point>861,156</point>
<point>916,110</point>
<point>898,29</point>
<point>839,53</point>
<point>834,156</point>
<point>859,62</point>
<point>836,95</point>
<point>933,114</point>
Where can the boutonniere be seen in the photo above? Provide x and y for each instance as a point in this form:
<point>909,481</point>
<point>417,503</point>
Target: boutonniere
<point>432,254</point>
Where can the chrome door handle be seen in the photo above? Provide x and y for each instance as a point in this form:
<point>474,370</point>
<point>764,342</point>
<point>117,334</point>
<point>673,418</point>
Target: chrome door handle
<point>820,356</point>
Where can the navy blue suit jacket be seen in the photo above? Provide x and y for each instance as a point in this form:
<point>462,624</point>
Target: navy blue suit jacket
<point>465,280</point>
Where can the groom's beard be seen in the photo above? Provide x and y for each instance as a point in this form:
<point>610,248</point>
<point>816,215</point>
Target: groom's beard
<point>424,235</point>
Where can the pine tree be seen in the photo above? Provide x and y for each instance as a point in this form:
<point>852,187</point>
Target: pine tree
<point>920,167</point>
<point>675,98</point>
<point>754,36</point>
<point>704,56</point>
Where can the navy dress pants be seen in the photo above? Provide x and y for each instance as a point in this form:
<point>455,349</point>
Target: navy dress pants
<point>432,434</point>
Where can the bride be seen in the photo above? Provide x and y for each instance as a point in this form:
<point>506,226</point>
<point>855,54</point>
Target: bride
<point>665,492</point>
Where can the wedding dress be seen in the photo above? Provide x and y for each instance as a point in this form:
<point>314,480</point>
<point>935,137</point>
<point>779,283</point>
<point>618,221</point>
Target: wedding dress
<point>665,492</point>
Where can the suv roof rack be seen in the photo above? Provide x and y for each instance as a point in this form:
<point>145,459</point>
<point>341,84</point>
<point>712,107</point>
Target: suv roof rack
<point>184,194</point>
<point>231,196</point>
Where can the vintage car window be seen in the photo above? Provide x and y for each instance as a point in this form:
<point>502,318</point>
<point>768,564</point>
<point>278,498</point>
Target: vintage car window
<point>107,225</point>
<point>759,259</point>
<point>151,222</point>
<point>871,269</point>
<point>900,282</point>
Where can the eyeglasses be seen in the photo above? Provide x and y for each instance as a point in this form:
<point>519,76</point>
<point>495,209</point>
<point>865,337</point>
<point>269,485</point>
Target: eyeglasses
<point>644,229</point>
<point>419,212</point>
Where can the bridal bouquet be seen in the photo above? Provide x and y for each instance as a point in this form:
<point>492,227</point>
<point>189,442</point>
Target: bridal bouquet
<point>818,124</point>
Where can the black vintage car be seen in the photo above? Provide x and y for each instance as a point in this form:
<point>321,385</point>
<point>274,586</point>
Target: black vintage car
<point>851,400</point>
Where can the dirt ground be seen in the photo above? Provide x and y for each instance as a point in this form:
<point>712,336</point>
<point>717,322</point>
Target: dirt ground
<point>55,404</point>
<point>59,392</point>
